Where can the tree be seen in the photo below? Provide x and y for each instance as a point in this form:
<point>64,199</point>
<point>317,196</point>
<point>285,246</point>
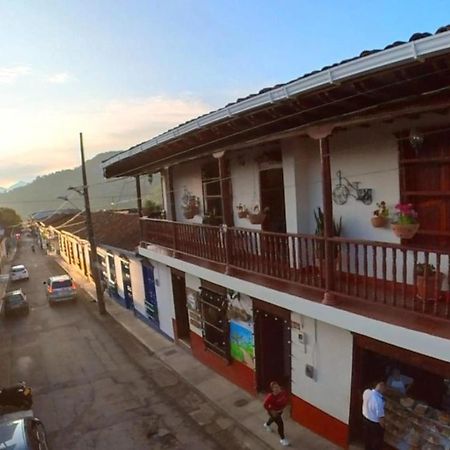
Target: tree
<point>9,217</point>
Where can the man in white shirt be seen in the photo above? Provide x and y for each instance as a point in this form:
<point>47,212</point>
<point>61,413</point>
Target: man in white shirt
<point>373,415</point>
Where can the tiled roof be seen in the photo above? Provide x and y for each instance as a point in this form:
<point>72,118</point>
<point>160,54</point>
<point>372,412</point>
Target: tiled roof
<point>363,54</point>
<point>110,228</point>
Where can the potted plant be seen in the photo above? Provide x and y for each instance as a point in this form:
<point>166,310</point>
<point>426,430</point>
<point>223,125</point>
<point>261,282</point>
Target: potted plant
<point>242,211</point>
<point>405,223</point>
<point>320,245</point>
<point>190,204</point>
<point>257,216</point>
<point>380,215</point>
<point>426,278</point>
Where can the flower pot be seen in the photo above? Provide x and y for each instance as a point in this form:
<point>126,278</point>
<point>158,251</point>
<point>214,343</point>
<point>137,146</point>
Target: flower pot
<point>429,286</point>
<point>378,221</point>
<point>242,213</point>
<point>256,217</point>
<point>407,231</point>
<point>190,213</point>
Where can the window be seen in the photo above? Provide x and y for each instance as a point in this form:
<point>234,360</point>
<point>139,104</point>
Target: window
<point>212,195</point>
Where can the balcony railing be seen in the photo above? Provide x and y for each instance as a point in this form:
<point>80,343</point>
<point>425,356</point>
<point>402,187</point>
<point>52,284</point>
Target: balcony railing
<point>375,272</point>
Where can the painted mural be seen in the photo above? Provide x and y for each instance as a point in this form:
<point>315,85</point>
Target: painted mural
<point>240,315</point>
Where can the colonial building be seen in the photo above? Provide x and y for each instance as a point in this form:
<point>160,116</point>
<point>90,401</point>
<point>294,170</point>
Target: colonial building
<point>268,249</point>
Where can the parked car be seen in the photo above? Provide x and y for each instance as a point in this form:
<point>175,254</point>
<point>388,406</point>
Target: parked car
<point>18,272</point>
<point>60,288</point>
<point>22,431</point>
<point>16,302</point>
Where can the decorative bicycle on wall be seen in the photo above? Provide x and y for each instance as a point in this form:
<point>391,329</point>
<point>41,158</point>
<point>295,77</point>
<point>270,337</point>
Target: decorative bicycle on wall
<point>345,189</point>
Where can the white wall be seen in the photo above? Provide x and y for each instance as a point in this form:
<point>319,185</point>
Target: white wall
<point>244,173</point>
<point>164,297</point>
<point>187,175</point>
<point>368,155</point>
<point>302,183</point>
<point>119,279</point>
<point>137,285</point>
<point>329,350</point>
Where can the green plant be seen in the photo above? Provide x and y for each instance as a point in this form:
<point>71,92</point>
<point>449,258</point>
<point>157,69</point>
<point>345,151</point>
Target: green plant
<point>423,268</point>
<point>320,223</point>
<point>151,206</point>
<point>382,211</point>
<point>405,215</point>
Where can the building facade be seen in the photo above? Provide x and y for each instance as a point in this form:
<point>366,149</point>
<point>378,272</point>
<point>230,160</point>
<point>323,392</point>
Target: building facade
<point>270,260</point>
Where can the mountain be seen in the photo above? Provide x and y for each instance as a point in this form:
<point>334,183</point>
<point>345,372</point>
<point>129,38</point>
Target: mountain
<point>43,192</point>
<point>2,190</point>
<point>17,185</point>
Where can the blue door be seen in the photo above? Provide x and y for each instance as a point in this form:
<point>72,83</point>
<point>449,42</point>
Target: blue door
<point>151,305</point>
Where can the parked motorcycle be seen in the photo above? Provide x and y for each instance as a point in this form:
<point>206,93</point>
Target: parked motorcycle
<point>15,398</point>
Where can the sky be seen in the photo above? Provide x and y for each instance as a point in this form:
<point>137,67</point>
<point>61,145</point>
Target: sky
<point>122,71</point>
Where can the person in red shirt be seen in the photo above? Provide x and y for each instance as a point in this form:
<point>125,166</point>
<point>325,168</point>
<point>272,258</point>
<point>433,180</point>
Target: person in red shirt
<point>274,404</point>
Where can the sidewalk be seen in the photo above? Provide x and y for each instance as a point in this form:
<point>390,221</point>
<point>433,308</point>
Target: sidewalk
<point>4,275</point>
<point>245,409</point>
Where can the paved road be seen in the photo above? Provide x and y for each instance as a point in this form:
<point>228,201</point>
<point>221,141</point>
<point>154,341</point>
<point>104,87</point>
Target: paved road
<point>95,386</point>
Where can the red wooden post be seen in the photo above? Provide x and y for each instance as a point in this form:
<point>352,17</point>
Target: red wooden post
<point>328,217</point>
<point>171,194</point>
<point>225,190</point>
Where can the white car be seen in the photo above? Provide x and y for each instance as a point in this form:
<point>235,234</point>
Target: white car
<point>19,272</point>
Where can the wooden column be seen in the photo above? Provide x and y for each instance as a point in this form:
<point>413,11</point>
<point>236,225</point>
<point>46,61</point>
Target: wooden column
<point>327,202</point>
<point>139,195</point>
<point>169,185</point>
<point>225,190</point>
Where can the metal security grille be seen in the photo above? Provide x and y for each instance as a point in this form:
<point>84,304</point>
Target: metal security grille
<point>213,311</point>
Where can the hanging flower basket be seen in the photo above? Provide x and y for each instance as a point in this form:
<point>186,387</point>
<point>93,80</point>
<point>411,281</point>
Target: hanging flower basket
<point>256,217</point>
<point>405,231</point>
<point>242,211</point>
<point>405,224</point>
<point>379,221</point>
<point>191,211</point>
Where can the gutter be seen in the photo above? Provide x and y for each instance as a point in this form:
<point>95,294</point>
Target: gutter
<point>408,52</point>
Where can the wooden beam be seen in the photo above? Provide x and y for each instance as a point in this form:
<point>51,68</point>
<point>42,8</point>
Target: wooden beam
<point>173,211</point>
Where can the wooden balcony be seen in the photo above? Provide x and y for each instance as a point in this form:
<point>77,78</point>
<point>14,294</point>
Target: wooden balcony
<point>375,279</point>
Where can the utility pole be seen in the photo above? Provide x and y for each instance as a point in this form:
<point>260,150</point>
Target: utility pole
<point>91,237</point>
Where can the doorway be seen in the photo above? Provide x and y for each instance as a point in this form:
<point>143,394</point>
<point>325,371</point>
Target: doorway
<point>272,345</point>
<point>181,312</point>
<point>271,183</point>
<point>127,288</point>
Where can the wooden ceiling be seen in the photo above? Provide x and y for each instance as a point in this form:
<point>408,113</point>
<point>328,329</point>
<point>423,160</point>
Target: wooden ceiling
<point>409,89</point>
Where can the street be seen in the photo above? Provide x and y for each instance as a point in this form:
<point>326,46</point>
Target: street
<point>94,385</point>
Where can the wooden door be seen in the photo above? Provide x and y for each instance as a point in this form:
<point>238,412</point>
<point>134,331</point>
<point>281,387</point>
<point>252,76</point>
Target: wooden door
<point>272,199</point>
<point>272,345</point>
<point>181,312</point>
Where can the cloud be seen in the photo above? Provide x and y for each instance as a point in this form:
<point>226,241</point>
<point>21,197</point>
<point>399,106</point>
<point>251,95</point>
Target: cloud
<point>11,74</point>
<point>59,78</point>
<point>47,138</point>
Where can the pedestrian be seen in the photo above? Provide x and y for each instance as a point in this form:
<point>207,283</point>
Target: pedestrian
<point>373,416</point>
<point>274,404</point>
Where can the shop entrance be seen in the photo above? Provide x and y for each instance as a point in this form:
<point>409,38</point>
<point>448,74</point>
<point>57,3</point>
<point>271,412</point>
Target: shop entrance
<point>181,312</point>
<point>375,361</point>
<point>272,345</point>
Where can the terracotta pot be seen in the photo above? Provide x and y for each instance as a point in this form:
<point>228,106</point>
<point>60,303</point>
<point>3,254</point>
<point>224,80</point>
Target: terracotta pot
<point>378,221</point>
<point>242,213</point>
<point>405,231</point>
<point>256,217</point>
<point>429,286</point>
